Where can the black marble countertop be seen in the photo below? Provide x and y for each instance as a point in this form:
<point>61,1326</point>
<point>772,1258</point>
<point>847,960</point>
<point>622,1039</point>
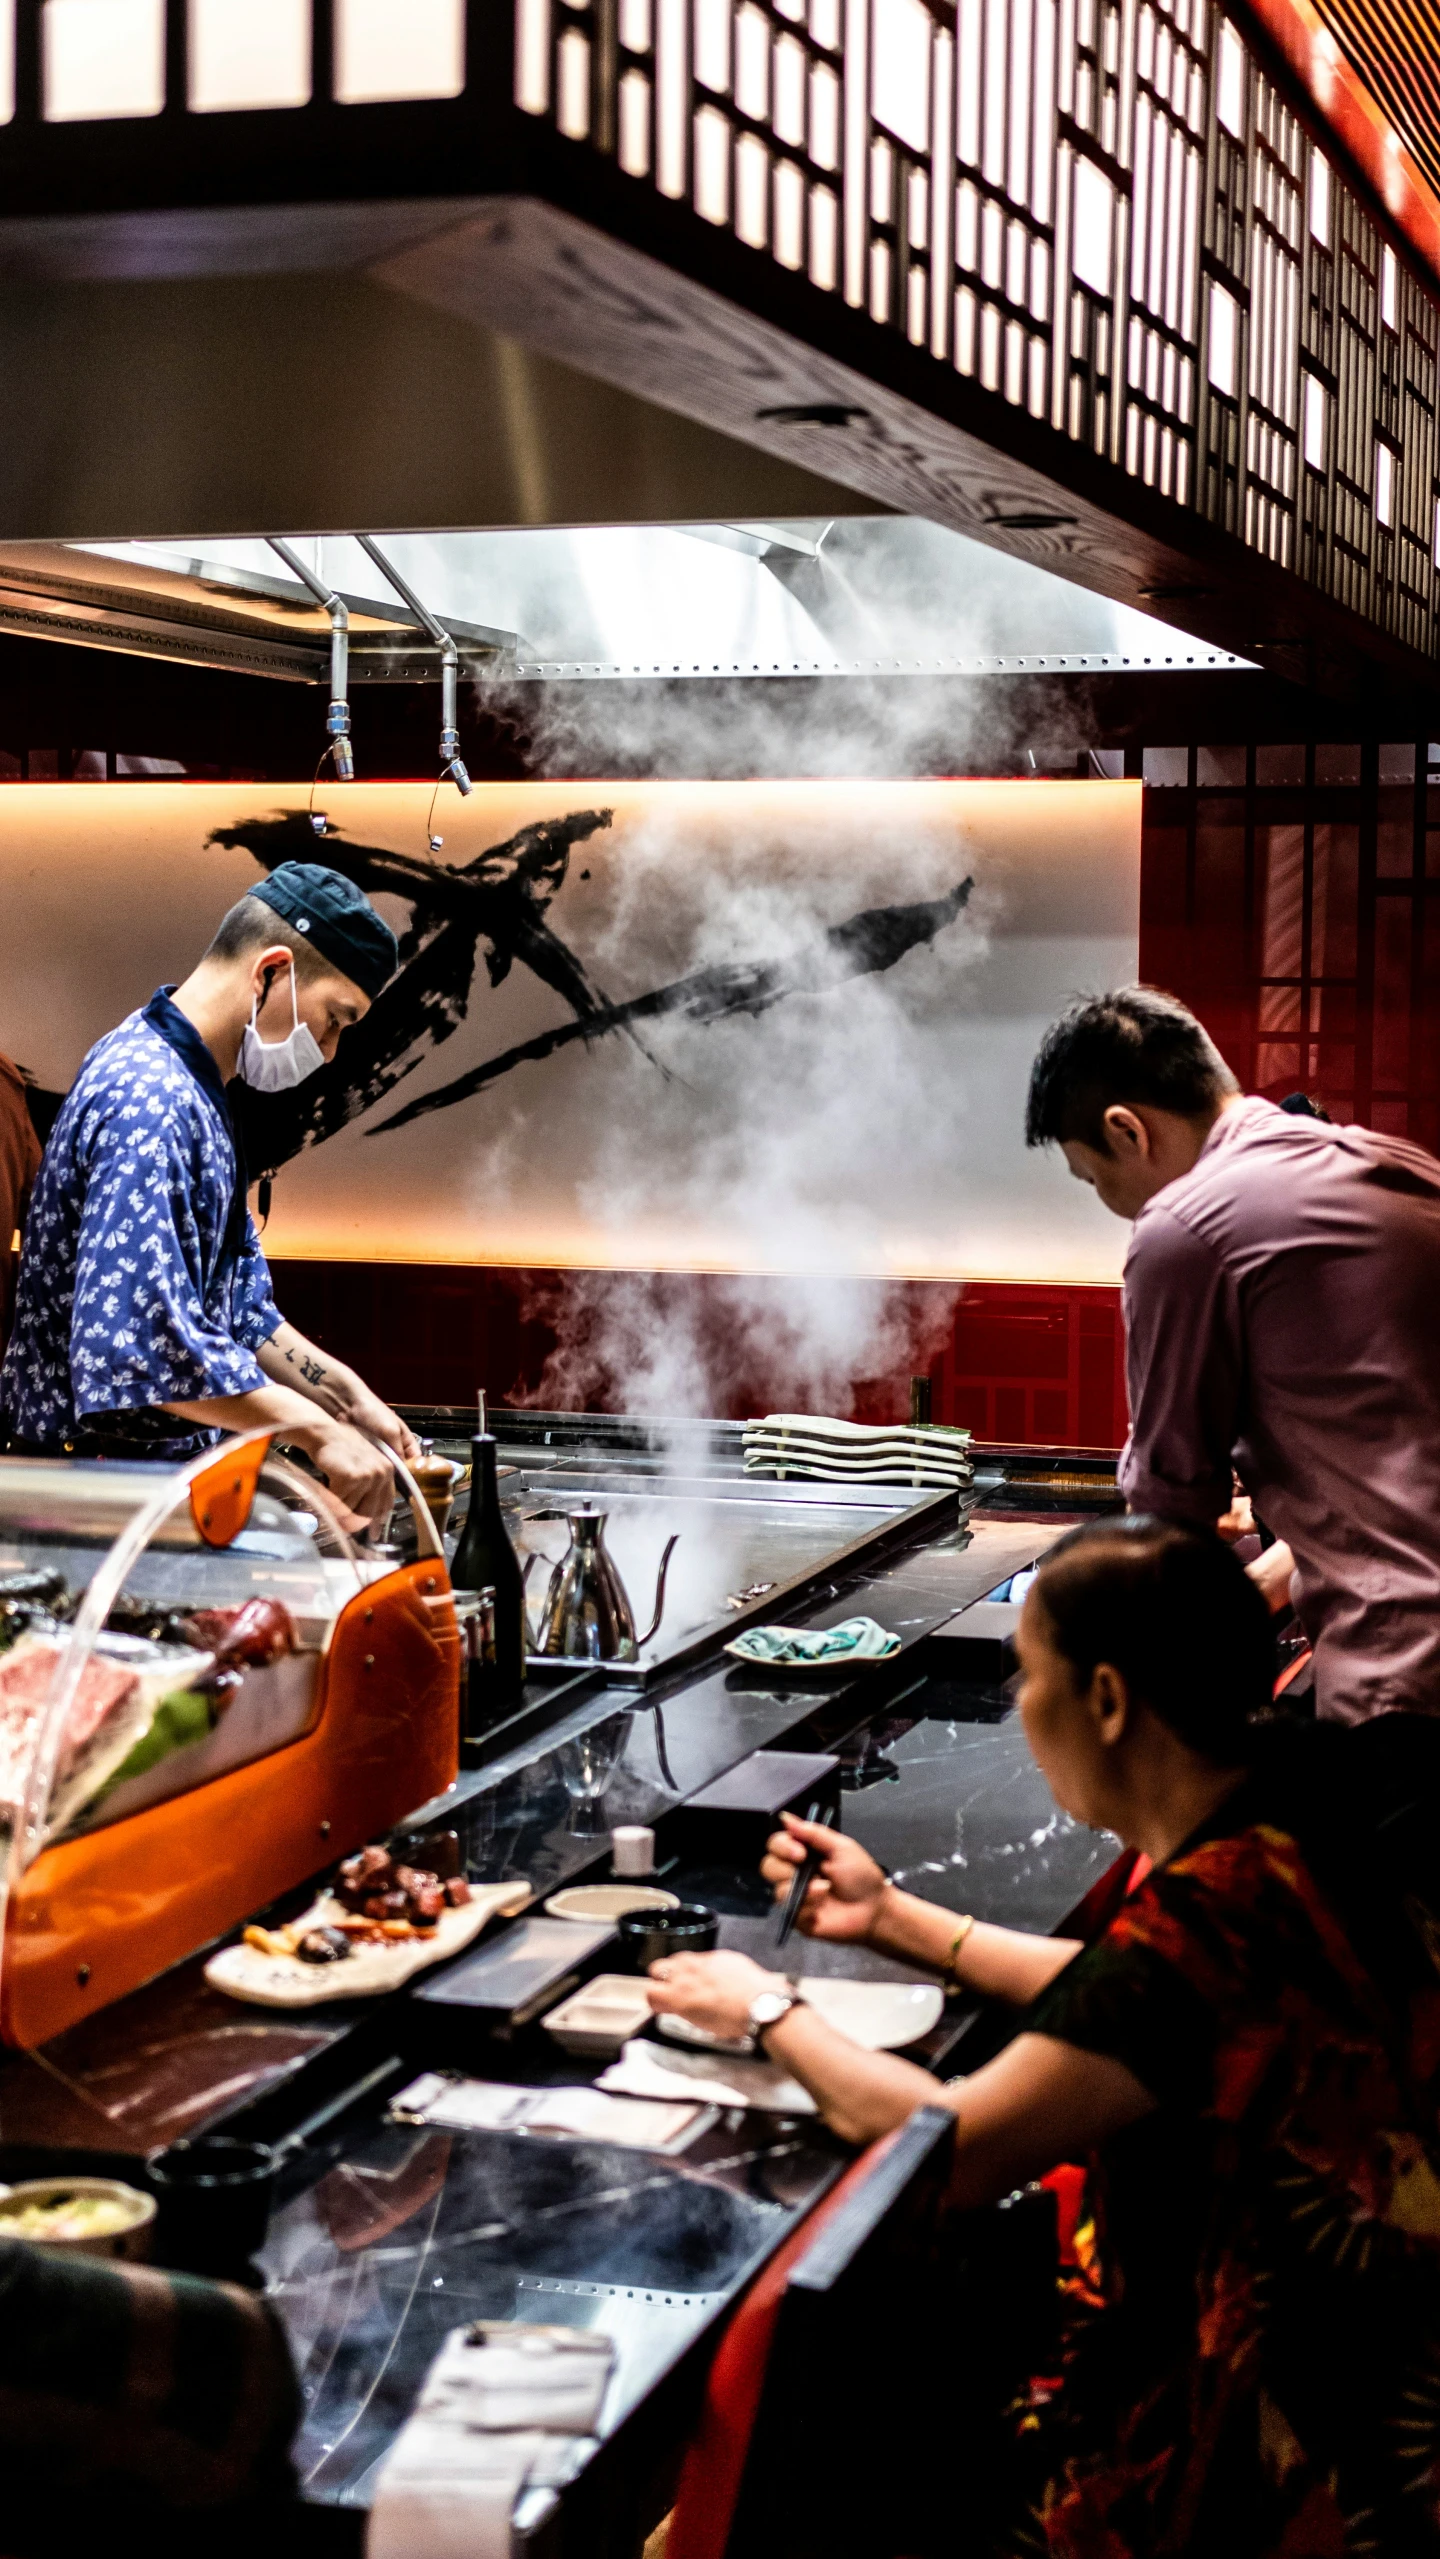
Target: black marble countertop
<point>404,2234</point>
<point>388,2235</point>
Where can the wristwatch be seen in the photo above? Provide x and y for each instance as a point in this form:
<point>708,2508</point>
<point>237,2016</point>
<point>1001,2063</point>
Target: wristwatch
<point>767,2009</point>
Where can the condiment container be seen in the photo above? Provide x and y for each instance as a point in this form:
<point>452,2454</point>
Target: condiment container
<point>436,1477</point>
<point>648,1936</point>
<point>131,2240</point>
<point>632,1849</point>
<point>598,2019</point>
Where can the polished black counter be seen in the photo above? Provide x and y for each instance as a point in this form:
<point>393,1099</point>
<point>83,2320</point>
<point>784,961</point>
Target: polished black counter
<point>387,2235</point>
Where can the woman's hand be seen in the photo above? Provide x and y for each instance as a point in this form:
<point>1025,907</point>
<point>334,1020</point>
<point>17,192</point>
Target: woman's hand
<point>713,1991</point>
<point>844,1898</point>
<point>1271,1574</point>
<point>1238,1521</point>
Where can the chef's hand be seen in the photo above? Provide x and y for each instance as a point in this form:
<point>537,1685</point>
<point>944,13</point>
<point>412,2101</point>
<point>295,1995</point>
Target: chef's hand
<point>301,1365</point>
<point>362,1481</point>
<point>365,1412</point>
<point>713,1991</point>
<point>1237,1522</point>
<point>844,1900</point>
<point>1271,1573</point>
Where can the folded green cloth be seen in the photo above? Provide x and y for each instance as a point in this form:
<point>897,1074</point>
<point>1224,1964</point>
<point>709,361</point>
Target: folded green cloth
<point>859,1639</point>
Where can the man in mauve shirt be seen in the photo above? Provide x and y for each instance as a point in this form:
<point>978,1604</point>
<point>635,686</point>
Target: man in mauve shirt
<point>1282,1317</point>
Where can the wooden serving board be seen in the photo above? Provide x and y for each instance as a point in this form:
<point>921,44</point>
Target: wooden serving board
<point>283,1981</point>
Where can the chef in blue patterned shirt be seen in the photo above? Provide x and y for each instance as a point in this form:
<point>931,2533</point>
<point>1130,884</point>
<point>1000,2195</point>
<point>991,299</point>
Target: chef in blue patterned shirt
<point>144,1319</point>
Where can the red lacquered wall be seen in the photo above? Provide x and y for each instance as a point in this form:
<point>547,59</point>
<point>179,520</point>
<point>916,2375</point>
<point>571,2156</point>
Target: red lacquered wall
<point>1014,1361</point>
<point>1035,1366</point>
<point>1291,895</point>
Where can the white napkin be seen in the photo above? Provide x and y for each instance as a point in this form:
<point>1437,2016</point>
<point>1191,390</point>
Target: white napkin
<point>663,2070</point>
<point>589,2116</point>
<point>494,2400</point>
<point>503,2374</point>
<point>446,2494</point>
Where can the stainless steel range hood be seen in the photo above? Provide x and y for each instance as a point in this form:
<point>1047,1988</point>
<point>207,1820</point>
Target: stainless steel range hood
<point>826,596</point>
<point>195,614</point>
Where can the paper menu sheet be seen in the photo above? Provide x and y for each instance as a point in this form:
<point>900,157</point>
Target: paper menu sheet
<point>585,2114</point>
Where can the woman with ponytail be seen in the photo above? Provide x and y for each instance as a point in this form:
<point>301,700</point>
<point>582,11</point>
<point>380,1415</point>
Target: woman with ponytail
<point>1246,2059</point>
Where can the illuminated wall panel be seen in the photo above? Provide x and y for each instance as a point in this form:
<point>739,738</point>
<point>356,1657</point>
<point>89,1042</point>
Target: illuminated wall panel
<point>801,1052</point>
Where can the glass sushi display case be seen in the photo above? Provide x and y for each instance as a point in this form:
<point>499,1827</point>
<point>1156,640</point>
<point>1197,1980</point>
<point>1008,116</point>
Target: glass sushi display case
<point>208,1692</point>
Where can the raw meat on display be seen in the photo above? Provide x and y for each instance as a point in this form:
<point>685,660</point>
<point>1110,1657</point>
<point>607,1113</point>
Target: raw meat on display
<point>25,1681</point>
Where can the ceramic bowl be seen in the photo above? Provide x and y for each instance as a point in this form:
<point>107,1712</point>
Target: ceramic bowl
<point>647,1936</point>
<point>131,2240</point>
<point>597,2020</point>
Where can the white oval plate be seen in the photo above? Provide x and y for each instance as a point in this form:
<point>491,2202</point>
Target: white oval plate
<point>879,2016</point>
<point>608,1901</point>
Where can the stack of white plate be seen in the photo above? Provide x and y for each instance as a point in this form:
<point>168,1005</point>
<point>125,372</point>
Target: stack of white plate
<point>806,1444</point>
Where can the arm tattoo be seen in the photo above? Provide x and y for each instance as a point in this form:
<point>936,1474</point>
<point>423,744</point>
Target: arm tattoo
<point>312,1370</point>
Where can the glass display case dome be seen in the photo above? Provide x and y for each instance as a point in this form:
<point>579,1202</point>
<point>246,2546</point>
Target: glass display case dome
<point>207,1690</point>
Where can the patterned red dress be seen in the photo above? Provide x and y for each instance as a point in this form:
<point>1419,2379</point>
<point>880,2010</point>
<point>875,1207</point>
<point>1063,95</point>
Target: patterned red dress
<point>1254,2371</point>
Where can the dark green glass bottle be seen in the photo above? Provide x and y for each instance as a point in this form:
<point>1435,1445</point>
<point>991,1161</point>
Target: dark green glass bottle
<point>485,1560</point>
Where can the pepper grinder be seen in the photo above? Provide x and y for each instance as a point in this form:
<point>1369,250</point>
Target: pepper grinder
<point>436,1479</point>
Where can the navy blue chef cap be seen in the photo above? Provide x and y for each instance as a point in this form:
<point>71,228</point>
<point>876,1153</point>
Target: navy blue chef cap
<point>338,918</point>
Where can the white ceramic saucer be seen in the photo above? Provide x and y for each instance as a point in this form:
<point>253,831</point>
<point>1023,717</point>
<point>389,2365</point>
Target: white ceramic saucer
<point>608,1901</point>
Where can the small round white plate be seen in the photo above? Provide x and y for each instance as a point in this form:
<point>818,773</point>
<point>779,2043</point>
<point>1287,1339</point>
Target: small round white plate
<point>879,2016</point>
<point>593,1902</point>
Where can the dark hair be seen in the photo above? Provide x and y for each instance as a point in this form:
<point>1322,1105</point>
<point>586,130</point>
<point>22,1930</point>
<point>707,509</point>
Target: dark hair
<point>1136,1045</point>
<point>251,925</point>
<point>1174,1613</point>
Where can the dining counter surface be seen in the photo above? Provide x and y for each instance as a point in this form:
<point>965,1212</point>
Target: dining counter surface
<point>388,2233</point>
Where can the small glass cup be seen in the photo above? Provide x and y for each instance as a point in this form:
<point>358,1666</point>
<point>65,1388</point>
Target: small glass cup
<point>587,1765</point>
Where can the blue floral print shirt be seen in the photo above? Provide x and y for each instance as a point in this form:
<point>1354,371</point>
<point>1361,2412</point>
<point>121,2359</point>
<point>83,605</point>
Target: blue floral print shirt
<point>141,1279</point>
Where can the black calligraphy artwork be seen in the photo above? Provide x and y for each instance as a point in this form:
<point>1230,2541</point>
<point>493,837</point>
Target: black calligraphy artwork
<point>502,899</point>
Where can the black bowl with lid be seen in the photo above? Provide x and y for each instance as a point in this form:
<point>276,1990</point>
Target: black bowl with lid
<point>214,2198</point>
<point>648,1936</point>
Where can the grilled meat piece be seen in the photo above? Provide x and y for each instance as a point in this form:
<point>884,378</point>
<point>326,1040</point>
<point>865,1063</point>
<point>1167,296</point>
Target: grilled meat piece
<point>385,1906</point>
<point>323,1946</point>
<point>370,1870</point>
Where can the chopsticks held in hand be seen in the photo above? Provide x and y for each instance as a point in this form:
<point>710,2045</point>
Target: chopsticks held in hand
<point>805,1874</point>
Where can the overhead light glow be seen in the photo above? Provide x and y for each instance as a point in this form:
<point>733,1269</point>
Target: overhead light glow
<point>103,58</point>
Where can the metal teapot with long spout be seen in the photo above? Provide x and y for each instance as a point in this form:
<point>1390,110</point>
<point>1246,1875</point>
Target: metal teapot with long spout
<point>586,1615</point>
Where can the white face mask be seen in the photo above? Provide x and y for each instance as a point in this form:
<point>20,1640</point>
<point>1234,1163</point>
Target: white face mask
<point>272,1066</point>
